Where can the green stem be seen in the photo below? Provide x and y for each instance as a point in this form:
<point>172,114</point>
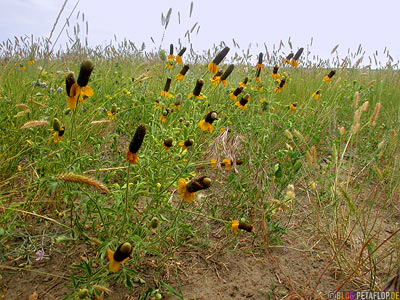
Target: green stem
<point>126,193</point>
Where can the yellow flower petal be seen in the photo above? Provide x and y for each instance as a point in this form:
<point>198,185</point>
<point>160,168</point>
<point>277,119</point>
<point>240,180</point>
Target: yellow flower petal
<point>213,68</point>
<point>235,226</point>
<point>87,91</point>
<point>227,163</point>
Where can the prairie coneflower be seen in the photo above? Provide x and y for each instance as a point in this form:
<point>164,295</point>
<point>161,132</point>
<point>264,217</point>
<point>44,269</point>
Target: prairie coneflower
<point>31,62</point>
<point>213,66</point>
<point>83,79</point>
<point>225,75</point>
<point>316,94</point>
<point>135,144</point>
<point>171,52</point>
<point>197,90</point>
<point>179,56</point>
<point>243,101</point>
<point>182,73</point>
<point>178,101</point>
<point>244,82</point>
<point>213,163</point>
<point>22,67</point>
<point>328,77</point>
<point>171,57</point>
<point>227,163</point>
<point>235,93</point>
<point>72,89</point>
<point>206,124</point>
<point>186,144</point>
<point>164,115</point>
<point>288,58</point>
<point>76,89</point>
<point>187,190</point>
<point>258,78</point>
<point>275,74</point>
<point>216,79</point>
<point>165,91</point>
<point>279,88</point>
<point>236,225</point>
<point>294,61</point>
<point>259,63</point>
<point>293,106</point>
<point>121,255</point>
<point>58,131</point>
<point>113,111</point>
<point>167,143</point>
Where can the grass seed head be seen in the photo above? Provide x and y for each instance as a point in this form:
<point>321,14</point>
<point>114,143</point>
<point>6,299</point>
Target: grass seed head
<point>34,123</point>
<point>81,179</point>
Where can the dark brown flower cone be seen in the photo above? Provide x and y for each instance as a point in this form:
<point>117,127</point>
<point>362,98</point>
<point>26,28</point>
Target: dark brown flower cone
<point>138,138</point>
<point>85,72</point>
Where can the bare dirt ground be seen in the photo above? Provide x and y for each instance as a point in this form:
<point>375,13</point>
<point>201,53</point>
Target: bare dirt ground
<point>242,270</point>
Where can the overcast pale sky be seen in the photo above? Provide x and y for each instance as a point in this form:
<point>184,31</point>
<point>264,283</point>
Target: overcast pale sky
<point>348,23</point>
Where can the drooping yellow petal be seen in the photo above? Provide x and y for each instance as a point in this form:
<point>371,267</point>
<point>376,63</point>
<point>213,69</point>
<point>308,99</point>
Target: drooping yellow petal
<point>131,158</point>
<point>181,186</point>
<point>232,96</point>
<point>71,101</point>
<point>206,126</point>
<point>294,63</point>
<point>87,91</point>
<point>178,60</point>
<point>55,137</point>
<point>260,66</point>
<point>235,226</point>
<point>182,191</point>
<point>227,163</point>
<point>213,163</point>
<point>243,107</point>
<point>180,77</point>
<point>114,265</point>
<point>326,79</point>
<point>213,68</point>
<point>315,95</point>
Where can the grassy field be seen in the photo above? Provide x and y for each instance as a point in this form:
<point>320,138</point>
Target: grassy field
<point>290,195</point>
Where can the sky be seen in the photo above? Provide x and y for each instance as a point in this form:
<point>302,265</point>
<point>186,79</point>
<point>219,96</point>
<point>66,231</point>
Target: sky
<point>371,23</point>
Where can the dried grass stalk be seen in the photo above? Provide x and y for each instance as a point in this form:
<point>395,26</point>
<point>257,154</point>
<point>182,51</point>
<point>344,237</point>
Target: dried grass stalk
<point>23,106</point>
